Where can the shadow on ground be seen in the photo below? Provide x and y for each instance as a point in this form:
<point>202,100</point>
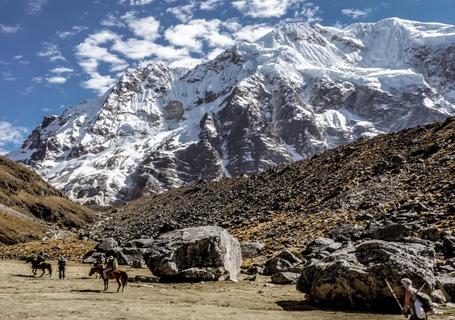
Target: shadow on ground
<point>295,305</point>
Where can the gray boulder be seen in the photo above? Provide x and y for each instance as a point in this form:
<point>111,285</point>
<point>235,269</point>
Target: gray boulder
<point>285,278</point>
<point>354,277</point>
<point>251,249</point>
<point>107,244</point>
<point>195,254</point>
<point>133,257</point>
<point>282,262</point>
<point>320,248</point>
<point>447,285</point>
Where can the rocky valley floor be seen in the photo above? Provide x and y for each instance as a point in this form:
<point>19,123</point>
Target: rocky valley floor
<point>79,297</point>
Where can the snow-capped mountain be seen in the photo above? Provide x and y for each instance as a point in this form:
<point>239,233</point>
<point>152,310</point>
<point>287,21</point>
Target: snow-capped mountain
<point>294,93</point>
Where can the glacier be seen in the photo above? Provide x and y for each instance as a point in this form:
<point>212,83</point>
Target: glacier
<point>294,93</point>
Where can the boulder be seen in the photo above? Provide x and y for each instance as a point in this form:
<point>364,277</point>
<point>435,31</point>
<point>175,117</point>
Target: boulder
<point>255,270</point>
<point>448,243</point>
<point>107,244</point>
<point>354,277</point>
<point>195,254</point>
<point>275,265</point>
<point>320,248</point>
<point>93,257</point>
<point>447,285</point>
<point>251,249</point>
<point>285,278</point>
<point>133,257</point>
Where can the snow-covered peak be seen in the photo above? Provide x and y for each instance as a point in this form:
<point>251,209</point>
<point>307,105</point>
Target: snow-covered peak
<point>295,92</point>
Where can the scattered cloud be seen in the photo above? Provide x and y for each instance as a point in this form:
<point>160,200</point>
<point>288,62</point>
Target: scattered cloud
<point>209,5</point>
<point>51,51</point>
<point>356,13</point>
<point>195,33</point>
<point>184,13</point>
<point>262,8</point>
<point>7,76</point>
<point>10,136</point>
<point>35,7</point>
<point>136,2</point>
<point>6,29</point>
<point>74,30</point>
<point>146,28</point>
<point>56,80</point>
<point>60,70</point>
<point>253,32</point>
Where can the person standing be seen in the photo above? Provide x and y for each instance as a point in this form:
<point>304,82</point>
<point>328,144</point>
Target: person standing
<point>61,267</point>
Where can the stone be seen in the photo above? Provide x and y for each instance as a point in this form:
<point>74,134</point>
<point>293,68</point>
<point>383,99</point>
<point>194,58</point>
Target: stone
<point>251,249</point>
<point>431,234</point>
<point>255,270</point>
<point>448,246</point>
<point>275,265</point>
<point>285,278</point>
<point>354,277</point>
<point>133,257</point>
<point>320,247</point>
<point>145,279</point>
<point>447,286</point>
<point>392,232</point>
<point>438,297</point>
<point>93,257</point>
<point>107,244</point>
<point>195,254</point>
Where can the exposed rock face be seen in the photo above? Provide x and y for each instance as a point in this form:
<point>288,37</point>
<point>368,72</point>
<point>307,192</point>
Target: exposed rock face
<point>292,94</point>
<point>107,244</point>
<point>354,277</point>
<point>285,278</point>
<point>195,254</point>
<point>387,187</point>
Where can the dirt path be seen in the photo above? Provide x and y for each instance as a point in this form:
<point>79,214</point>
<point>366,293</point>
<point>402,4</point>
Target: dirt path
<point>78,297</point>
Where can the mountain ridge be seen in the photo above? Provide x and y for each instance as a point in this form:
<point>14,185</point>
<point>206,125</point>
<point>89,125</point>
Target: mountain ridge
<point>294,93</point>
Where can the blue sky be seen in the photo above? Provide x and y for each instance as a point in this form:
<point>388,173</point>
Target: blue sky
<point>55,53</point>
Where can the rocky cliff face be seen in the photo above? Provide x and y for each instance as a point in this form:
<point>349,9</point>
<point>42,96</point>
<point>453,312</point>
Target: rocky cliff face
<point>292,94</point>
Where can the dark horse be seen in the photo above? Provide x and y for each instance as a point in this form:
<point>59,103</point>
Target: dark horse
<point>43,266</point>
<point>120,276</point>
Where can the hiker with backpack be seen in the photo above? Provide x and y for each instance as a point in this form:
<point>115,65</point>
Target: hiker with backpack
<point>416,303</point>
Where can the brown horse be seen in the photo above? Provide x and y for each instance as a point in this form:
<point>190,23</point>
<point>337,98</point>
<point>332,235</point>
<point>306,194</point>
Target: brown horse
<point>119,275</point>
<point>43,266</point>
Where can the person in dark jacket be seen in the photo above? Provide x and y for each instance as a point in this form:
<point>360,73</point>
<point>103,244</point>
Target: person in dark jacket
<point>61,267</point>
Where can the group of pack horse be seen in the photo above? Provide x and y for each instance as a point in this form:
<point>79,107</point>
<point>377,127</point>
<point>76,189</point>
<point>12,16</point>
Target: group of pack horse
<point>120,276</point>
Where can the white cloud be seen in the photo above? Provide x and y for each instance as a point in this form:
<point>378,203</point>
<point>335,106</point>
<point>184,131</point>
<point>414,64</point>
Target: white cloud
<point>112,21</point>
<point>136,2</point>
<point>35,7</point>
<point>253,32</point>
<point>209,5</point>
<point>310,12</point>
<point>91,52</point>
<point>7,76</point>
<point>6,29</point>
<point>10,135</point>
<point>183,13</point>
<point>74,30</point>
<point>98,83</point>
<point>146,28</point>
<point>60,70</point>
<point>51,51</point>
<point>186,62</point>
<point>197,32</point>
<point>56,80</point>
<point>262,8</point>
<point>356,13</point>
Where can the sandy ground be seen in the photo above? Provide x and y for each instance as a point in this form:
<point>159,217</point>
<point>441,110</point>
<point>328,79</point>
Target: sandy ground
<point>80,297</point>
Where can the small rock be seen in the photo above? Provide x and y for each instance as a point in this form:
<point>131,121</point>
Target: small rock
<point>285,278</point>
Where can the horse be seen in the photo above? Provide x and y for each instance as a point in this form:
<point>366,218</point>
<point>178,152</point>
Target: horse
<point>119,275</point>
<point>43,266</point>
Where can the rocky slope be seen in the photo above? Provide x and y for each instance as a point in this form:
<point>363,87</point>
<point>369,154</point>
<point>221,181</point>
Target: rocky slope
<point>405,177</point>
<point>29,206</point>
<point>292,94</point>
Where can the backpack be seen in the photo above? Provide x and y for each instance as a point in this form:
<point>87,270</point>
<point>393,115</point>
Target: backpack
<point>426,301</point>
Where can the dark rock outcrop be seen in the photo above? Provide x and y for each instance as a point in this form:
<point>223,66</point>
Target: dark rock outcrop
<point>354,277</point>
